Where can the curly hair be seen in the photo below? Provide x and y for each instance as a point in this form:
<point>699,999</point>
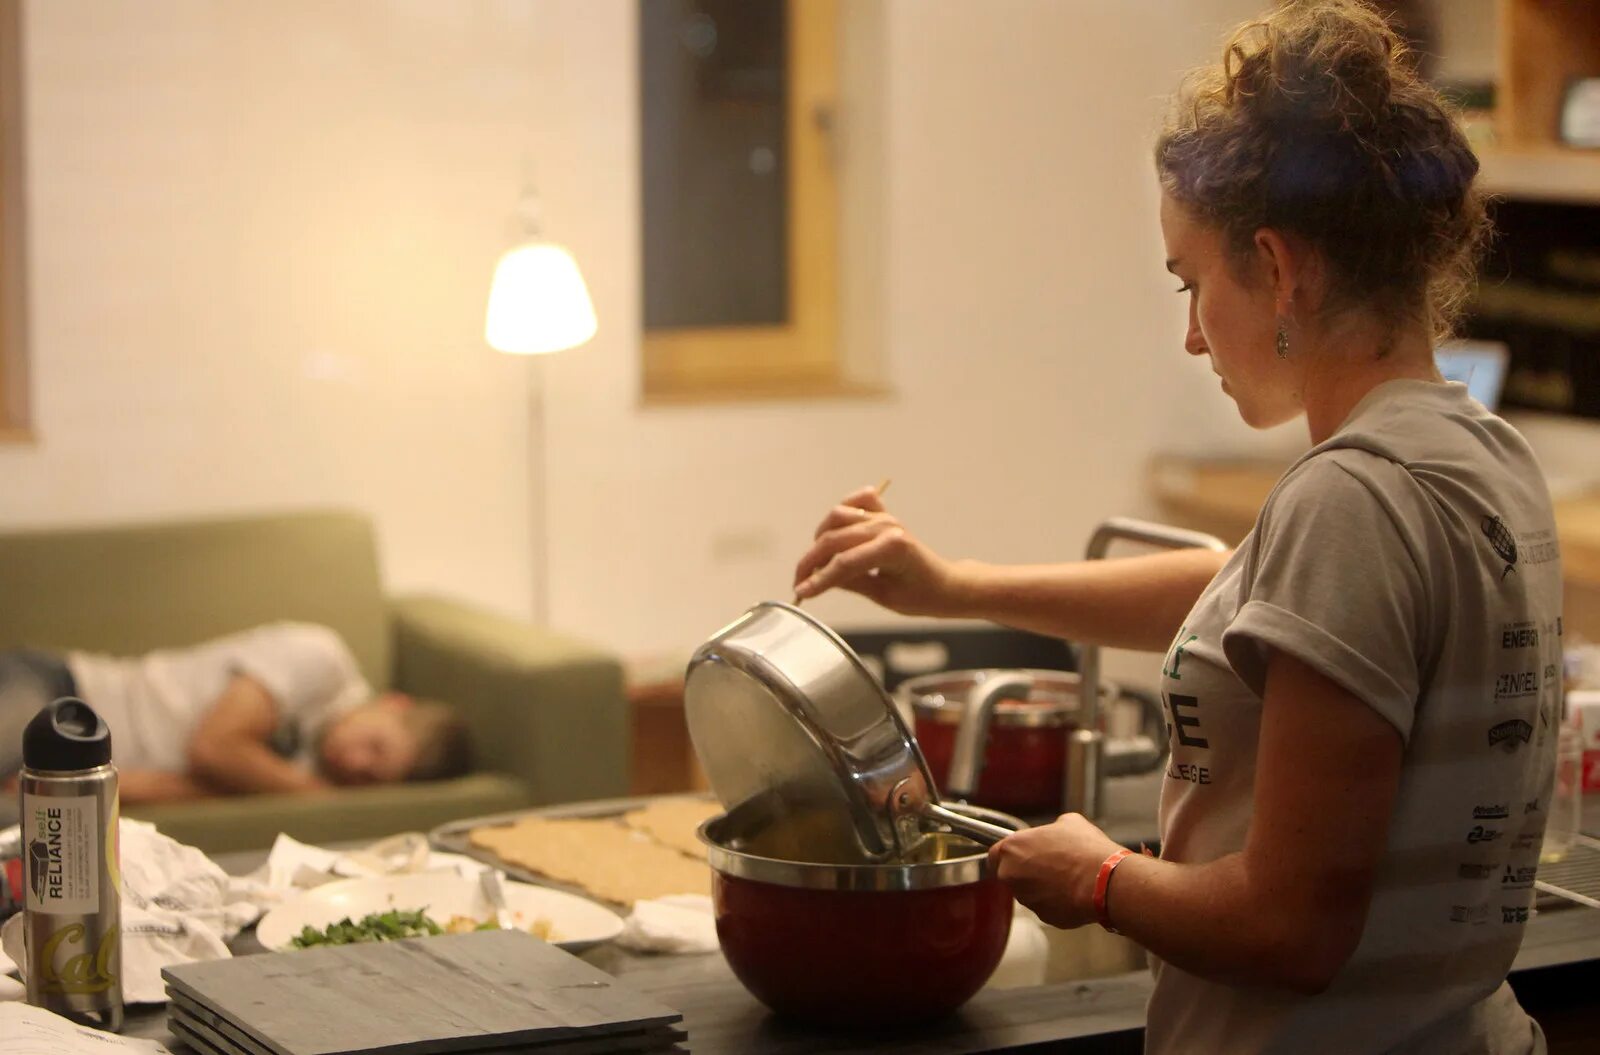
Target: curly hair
<point>1315,122</point>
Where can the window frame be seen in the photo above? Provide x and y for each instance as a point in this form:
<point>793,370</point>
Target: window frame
<point>16,423</point>
<point>800,356</point>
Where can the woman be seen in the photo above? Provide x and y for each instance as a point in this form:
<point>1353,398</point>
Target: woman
<point>1362,698</point>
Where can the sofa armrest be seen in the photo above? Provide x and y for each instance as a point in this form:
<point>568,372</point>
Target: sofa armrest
<point>229,823</point>
<point>544,708</point>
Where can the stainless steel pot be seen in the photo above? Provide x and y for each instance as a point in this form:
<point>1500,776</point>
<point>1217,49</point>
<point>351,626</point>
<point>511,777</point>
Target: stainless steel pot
<point>795,733</point>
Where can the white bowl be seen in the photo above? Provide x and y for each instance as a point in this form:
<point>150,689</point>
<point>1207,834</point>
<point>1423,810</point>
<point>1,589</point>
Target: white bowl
<point>576,923</point>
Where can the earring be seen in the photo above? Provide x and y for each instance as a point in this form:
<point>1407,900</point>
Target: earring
<point>1283,339</point>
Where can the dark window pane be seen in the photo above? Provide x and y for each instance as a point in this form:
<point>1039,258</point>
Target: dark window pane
<point>714,152</point>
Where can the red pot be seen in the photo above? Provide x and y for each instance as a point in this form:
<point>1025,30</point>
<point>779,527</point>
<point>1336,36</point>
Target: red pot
<point>858,945</point>
<point>1025,752</point>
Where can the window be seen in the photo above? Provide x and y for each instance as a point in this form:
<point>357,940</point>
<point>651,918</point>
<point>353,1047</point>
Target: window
<point>740,198</point>
<point>14,411</point>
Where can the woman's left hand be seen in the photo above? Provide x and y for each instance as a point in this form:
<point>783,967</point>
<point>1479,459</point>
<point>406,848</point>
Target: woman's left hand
<point>1052,869</point>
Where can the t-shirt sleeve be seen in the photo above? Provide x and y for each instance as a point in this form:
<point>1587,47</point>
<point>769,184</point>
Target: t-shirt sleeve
<point>309,672</point>
<point>1337,583</point>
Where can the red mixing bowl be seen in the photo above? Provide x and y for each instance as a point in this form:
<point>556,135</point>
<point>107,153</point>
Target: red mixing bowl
<point>858,944</point>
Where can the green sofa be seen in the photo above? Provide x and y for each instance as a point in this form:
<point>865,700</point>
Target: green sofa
<point>548,715</point>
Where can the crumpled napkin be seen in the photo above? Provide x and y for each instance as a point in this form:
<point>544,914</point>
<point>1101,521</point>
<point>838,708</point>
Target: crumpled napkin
<point>677,923</point>
<point>293,866</point>
<point>177,906</point>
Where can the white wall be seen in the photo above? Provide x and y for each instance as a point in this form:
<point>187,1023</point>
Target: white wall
<point>261,237</point>
<point>260,241</point>
<point>1033,339</point>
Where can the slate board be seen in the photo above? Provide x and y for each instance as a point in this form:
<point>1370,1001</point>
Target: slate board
<point>208,1032</point>
<point>456,993</point>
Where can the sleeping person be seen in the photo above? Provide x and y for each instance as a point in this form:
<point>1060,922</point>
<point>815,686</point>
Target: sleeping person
<point>279,708</point>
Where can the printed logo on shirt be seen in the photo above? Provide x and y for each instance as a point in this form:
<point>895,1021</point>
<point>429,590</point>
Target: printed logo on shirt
<point>1502,540</point>
<point>1174,658</point>
<point>1513,914</point>
<point>1538,547</point>
<point>1180,723</point>
<point>1475,871</point>
<point>1517,685</point>
<point>1494,812</point>
<point>1480,834</point>
<point>1519,635</point>
<point>1189,773</point>
<point>1510,735</point>
<point>1469,914</point>
<point>1519,878</point>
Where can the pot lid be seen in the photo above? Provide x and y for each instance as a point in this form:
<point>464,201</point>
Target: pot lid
<point>793,731</point>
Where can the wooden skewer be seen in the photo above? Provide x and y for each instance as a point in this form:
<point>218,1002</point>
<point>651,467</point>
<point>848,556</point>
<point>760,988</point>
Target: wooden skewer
<point>883,485</point>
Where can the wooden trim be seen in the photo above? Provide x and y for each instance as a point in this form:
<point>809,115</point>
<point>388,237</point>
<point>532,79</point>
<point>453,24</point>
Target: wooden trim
<point>1543,45</point>
<point>15,410</point>
<point>1224,497</point>
<point>722,362</point>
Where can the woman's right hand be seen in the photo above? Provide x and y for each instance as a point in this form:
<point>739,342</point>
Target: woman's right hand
<point>860,546</point>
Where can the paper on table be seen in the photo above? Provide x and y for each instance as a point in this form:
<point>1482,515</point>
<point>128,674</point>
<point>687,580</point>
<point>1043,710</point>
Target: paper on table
<point>30,1030</point>
<point>294,865</point>
<point>677,923</point>
<point>177,906</point>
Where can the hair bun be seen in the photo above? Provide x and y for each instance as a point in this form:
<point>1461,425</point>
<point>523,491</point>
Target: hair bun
<point>1329,70</point>
<point>1317,122</point>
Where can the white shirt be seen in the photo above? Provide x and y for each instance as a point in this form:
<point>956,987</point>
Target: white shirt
<point>153,703</point>
<point>1410,558</point>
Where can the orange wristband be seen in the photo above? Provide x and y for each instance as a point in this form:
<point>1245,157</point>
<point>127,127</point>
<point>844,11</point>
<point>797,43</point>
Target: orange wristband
<point>1101,882</point>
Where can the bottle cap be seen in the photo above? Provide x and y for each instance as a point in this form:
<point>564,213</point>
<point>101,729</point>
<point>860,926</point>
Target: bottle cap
<point>65,736</point>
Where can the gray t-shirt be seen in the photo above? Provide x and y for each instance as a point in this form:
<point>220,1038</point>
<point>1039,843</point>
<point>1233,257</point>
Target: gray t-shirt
<point>1412,559</point>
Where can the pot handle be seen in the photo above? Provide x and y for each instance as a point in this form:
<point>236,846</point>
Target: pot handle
<point>972,735</point>
<point>1153,725</point>
<point>974,829</point>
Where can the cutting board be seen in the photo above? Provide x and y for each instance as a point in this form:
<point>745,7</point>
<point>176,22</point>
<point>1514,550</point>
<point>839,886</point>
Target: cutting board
<point>459,993</point>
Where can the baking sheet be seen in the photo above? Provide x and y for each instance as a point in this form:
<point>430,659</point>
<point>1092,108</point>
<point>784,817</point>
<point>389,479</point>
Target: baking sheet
<point>454,836</point>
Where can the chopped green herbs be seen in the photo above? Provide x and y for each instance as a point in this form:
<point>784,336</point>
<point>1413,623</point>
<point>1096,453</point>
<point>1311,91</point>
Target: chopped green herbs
<point>388,926</point>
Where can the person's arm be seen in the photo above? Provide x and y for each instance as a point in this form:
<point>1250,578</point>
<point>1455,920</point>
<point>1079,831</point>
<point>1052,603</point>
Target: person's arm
<point>1134,602</point>
<point>1289,909</point>
<point>135,786</point>
<point>229,748</point>
<point>1130,602</point>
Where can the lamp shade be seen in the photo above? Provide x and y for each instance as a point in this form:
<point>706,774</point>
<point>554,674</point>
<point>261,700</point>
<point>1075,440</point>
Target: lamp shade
<point>538,302</point>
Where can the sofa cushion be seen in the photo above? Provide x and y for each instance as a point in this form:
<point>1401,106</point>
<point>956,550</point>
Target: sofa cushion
<point>361,815</point>
<point>130,589</point>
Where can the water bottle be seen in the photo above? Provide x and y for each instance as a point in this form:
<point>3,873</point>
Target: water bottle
<point>1566,795</point>
<point>72,887</point>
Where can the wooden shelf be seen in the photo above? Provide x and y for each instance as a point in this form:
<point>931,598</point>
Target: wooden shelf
<point>1224,498</point>
<point>1550,173</point>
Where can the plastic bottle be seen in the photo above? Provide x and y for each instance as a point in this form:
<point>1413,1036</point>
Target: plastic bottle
<point>1566,794</point>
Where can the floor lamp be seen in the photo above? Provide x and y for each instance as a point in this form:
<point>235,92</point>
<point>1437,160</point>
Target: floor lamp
<point>538,304</point>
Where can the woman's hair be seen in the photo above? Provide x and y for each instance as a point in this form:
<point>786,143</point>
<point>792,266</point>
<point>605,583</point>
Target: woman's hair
<point>1316,123</point>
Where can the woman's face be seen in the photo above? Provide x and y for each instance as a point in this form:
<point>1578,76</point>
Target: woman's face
<point>1233,323</point>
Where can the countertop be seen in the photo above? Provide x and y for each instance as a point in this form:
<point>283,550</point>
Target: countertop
<point>1098,1015</point>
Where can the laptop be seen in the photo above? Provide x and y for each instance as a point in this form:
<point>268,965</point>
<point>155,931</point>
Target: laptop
<point>1480,365</point>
